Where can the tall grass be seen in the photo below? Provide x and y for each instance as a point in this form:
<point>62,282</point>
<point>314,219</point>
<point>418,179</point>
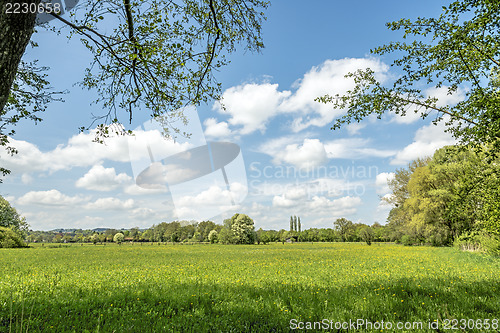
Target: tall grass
<point>217,288</point>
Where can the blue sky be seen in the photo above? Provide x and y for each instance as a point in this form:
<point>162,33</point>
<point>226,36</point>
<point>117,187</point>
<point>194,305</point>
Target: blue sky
<point>290,162</point>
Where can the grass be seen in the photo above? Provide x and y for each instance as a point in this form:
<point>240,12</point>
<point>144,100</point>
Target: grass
<point>217,288</point>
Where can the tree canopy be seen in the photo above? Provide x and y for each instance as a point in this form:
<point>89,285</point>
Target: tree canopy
<point>13,227</point>
<point>459,51</point>
<point>152,55</point>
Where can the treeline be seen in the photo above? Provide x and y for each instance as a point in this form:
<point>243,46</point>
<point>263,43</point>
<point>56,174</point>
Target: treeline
<point>239,229</point>
<point>451,198</point>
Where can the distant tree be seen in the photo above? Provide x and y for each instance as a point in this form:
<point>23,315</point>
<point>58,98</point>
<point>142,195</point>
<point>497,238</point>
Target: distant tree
<point>295,223</point>
<point>204,229</point>
<point>240,229</point>
<point>94,238</point>
<point>344,227</point>
<point>135,234</point>
<point>291,223</point>
<point>366,235</point>
<point>300,226</point>
<point>118,238</point>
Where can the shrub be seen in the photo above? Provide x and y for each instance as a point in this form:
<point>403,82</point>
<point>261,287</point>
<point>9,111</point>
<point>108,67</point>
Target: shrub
<point>10,239</point>
<point>407,240</point>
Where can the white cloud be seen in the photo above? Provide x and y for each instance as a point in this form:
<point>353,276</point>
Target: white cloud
<point>26,178</point>
<point>99,178</point>
<point>214,195</point>
<point>292,197</point>
<point>381,182</point>
<point>354,148</point>
<point>337,207</point>
<point>328,78</point>
<point>355,128</point>
<point>50,198</point>
<point>80,151</point>
<point>111,204</point>
<point>251,105</point>
<point>311,153</point>
<point>216,130</point>
<point>427,140</point>
<point>133,189</point>
<point>144,214</point>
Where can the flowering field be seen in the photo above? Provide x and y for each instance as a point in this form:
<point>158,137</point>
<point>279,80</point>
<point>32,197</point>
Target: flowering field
<point>224,288</point>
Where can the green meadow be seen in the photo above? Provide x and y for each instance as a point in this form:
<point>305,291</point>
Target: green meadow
<point>240,288</point>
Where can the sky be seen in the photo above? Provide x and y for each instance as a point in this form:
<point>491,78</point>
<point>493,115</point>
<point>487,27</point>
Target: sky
<point>270,153</point>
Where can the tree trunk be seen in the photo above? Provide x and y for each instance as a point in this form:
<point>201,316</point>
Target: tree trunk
<point>15,33</point>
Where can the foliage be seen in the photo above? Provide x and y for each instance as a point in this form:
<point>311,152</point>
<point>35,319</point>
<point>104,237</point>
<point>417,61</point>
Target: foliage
<point>201,288</point>
<point>12,222</point>
<point>239,229</point>
<point>366,234</point>
<point>10,238</point>
<point>154,55</point>
<point>9,217</point>
<point>344,227</point>
<point>212,236</point>
<point>118,238</point>
<point>452,194</point>
<point>458,51</point>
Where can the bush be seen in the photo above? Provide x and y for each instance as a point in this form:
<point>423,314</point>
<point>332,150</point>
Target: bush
<point>479,241</point>
<point>407,240</point>
<point>10,239</point>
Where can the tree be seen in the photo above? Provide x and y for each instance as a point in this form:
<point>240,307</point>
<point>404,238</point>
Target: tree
<point>10,219</point>
<point>240,229</point>
<point>291,223</point>
<point>300,225</point>
<point>457,51</point>
<point>344,227</point>
<point>118,238</point>
<point>212,236</point>
<point>10,239</point>
<point>94,238</point>
<point>366,235</point>
<point>155,55</point>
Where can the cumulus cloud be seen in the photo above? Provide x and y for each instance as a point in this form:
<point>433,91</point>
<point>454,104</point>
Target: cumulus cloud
<point>216,129</point>
<point>290,198</point>
<point>310,153</point>
<point>354,148</point>
<point>338,207</point>
<point>111,204</point>
<point>99,178</point>
<point>381,182</point>
<point>50,198</point>
<point>80,151</point>
<point>427,140</point>
<point>252,105</point>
